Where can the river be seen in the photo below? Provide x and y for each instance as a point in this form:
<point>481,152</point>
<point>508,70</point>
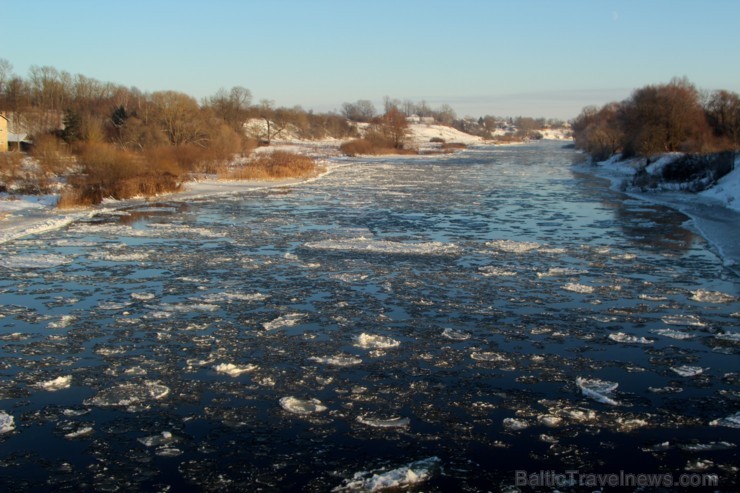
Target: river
<point>454,323</point>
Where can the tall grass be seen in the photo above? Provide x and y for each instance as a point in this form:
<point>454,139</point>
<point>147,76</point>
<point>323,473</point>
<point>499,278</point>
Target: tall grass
<point>273,166</point>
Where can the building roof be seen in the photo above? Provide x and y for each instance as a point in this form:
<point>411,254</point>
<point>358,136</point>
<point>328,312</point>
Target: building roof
<point>18,138</point>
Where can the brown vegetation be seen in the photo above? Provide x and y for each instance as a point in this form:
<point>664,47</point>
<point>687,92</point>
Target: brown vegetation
<point>661,118</point>
<point>109,172</point>
<point>274,166</point>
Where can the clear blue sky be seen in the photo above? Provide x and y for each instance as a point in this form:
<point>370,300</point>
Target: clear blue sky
<point>507,58</point>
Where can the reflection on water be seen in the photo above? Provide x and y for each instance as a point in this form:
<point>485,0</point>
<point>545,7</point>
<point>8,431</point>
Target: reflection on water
<point>432,324</point>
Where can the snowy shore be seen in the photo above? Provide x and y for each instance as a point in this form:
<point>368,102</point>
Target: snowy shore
<point>24,215</point>
<point>714,213</point>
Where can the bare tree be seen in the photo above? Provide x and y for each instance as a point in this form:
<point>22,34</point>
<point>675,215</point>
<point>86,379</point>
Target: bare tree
<point>723,113</point>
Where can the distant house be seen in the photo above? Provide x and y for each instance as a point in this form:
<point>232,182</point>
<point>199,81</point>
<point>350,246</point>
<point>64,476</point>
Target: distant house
<point>3,133</point>
<point>19,142</point>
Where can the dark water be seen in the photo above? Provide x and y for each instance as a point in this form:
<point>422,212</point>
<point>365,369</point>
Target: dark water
<point>465,317</point>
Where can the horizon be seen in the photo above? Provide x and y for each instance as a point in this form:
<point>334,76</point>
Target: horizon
<point>533,58</point>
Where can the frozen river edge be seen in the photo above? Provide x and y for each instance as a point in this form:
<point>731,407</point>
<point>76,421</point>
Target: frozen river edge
<point>709,218</point>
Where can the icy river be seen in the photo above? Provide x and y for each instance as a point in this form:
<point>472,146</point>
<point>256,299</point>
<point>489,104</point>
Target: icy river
<point>452,323</point>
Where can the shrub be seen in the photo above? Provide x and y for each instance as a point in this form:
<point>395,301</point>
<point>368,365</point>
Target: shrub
<point>372,146</point>
<point>119,174</point>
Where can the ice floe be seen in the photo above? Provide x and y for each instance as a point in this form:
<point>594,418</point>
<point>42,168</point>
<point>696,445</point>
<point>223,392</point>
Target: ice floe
<point>373,341</point>
<point>511,246</point>
<point>55,384</point>
<point>7,422</point>
<point>496,271</point>
<point>233,370</point>
<point>731,421</point>
<point>402,477</point>
<point>396,422</point>
<point>514,424</point>
<point>129,394</point>
<point>302,406</point>
<point>687,370</point>
<point>385,246</point>
<point>687,320</point>
<point>706,296</point>
<point>287,320</point>
<point>598,390</point>
<point>629,339</point>
<point>561,271</point>
<point>34,261</point>
<point>455,335</point>
<point>578,288</point>
<point>340,360</point>
<point>673,334</point>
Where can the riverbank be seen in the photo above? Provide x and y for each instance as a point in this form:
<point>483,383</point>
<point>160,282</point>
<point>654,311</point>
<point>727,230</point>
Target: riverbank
<point>714,213</point>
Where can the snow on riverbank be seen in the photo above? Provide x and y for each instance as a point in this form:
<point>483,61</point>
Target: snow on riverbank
<point>24,215</point>
<point>715,212</point>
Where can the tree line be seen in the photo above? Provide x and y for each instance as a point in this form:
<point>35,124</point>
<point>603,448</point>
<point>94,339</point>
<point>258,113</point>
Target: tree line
<point>672,117</point>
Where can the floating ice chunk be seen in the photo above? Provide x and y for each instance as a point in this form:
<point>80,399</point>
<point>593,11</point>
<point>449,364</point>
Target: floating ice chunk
<point>706,296</point>
<point>7,422</point>
<point>63,322</point>
<point>514,424</point>
<point>732,421</point>
<point>729,336</point>
<point>560,271</point>
<point>143,296</point>
<point>231,297</point>
<point>339,360</point>
<point>233,370</point>
<point>495,271</point>
<point>113,305</point>
<point>80,432</point>
<point>33,261</point>
<point>302,406</point>
<point>648,297</point>
<point>598,390</point>
<point>455,335</point>
<point>402,477</point>
<point>630,424</point>
<point>550,420</point>
<point>511,246</point>
<point>706,447</point>
<point>626,338</point>
<point>666,390</point>
<point>384,423</point>
<point>673,334</point>
<point>164,438</point>
<point>578,288</point>
<point>58,383</point>
<point>490,356</point>
<point>120,257</point>
<point>385,247</point>
<point>689,320</point>
<point>698,465</point>
<point>688,371</point>
<point>129,394</point>
<point>370,341</point>
<point>287,320</point>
